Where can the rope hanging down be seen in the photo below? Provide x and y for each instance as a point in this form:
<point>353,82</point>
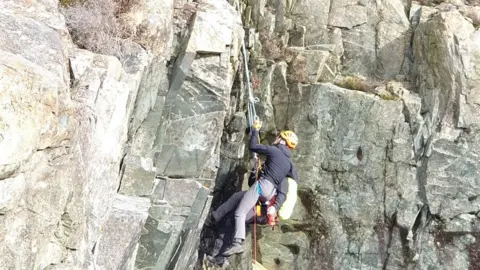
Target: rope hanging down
<point>251,113</point>
<point>251,117</point>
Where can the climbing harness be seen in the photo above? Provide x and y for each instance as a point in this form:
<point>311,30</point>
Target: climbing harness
<point>271,219</point>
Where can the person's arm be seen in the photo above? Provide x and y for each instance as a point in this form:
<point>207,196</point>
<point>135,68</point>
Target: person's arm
<point>256,147</point>
<point>281,194</point>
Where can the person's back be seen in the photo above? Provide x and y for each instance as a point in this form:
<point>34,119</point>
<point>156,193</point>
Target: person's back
<point>277,165</point>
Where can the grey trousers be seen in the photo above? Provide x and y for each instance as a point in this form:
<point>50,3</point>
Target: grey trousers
<point>244,202</point>
<point>228,206</point>
<point>231,204</point>
<point>248,201</point>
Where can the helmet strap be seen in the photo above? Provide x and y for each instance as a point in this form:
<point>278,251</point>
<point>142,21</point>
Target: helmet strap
<point>279,140</point>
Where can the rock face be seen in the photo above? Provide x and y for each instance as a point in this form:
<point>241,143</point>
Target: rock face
<point>113,161</point>
<point>386,181</point>
<point>184,145</point>
<point>87,178</point>
<point>350,169</point>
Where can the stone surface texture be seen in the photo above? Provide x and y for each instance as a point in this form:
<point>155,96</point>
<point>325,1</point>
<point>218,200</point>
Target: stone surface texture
<point>114,161</point>
<point>83,172</point>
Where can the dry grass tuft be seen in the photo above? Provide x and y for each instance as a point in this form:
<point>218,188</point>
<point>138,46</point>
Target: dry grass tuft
<point>101,26</point>
<point>273,48</point>
<point>355,83</point>
<point>382,89</point>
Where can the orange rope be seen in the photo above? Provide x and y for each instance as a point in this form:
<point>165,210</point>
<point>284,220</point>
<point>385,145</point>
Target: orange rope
<point>259,166</point>
<point>255,237</point>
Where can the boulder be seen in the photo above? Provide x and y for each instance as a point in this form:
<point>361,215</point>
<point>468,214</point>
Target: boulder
<point>285,250</point>
<point>138,176</point>
<point>67,142</point>
<point>370,37</point>
<point>122,230</point>
<point>346,166</point>
<point>34,89</point>
<point>106,93</point>
<point>199,94</point>
<point>174,224</point>
<point>37,124</point>
<point>447,68</point>
<point>448,82</point>
<point>12,190</point>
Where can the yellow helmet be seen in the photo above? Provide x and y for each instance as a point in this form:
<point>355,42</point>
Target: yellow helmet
<point>290,138</point>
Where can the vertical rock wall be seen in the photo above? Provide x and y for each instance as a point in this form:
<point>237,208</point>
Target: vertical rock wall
<point>107,159</point>
<point>388,178</point>
<point>182,137</point>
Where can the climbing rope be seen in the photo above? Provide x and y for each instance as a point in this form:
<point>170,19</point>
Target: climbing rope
<point>251,113</point>
<point>251,117</point>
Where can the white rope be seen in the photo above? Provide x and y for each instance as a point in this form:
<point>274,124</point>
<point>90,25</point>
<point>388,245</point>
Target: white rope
<point>251,112</point>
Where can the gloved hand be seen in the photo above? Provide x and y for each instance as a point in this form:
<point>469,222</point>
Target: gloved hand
<point>257,125</point>
<point>271,211</point>
<point>271,216</point>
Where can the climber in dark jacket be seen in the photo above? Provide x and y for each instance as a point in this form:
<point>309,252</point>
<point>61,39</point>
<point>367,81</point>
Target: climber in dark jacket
<point>272,179</point>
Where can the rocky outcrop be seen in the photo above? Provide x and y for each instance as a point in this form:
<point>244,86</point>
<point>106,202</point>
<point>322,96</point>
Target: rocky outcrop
<point>37,126</point>
<point>64,136</point>
<point>386,177</point>
<point>92,163</point>
<point>184,145</point>
<point>109,157</point>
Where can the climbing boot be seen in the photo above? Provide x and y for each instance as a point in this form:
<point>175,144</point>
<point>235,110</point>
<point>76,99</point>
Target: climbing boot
<point>210,221</point>
<point>217,261</point>
<point>235,248</point>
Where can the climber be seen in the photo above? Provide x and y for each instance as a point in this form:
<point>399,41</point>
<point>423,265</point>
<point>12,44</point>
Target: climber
<point>271,181</point>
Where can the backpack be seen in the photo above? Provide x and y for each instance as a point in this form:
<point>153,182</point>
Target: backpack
<point>286,210</point>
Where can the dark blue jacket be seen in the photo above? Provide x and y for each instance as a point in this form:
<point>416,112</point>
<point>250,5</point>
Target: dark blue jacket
<point>276,168</point>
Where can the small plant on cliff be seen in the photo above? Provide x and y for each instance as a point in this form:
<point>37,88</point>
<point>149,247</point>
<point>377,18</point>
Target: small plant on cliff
<point>388,97</point>
<point>273,48</point>
<point>355,83</point>
<point>65,3</point>
<point>101,26</point>
<point>255,82</point>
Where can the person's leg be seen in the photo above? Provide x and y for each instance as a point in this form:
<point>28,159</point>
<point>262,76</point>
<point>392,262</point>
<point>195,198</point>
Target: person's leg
<point>246,204</point>
<point>228,206</point>
<point>267,190</point>
<point>250,216</point>
<point>217,215</point>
